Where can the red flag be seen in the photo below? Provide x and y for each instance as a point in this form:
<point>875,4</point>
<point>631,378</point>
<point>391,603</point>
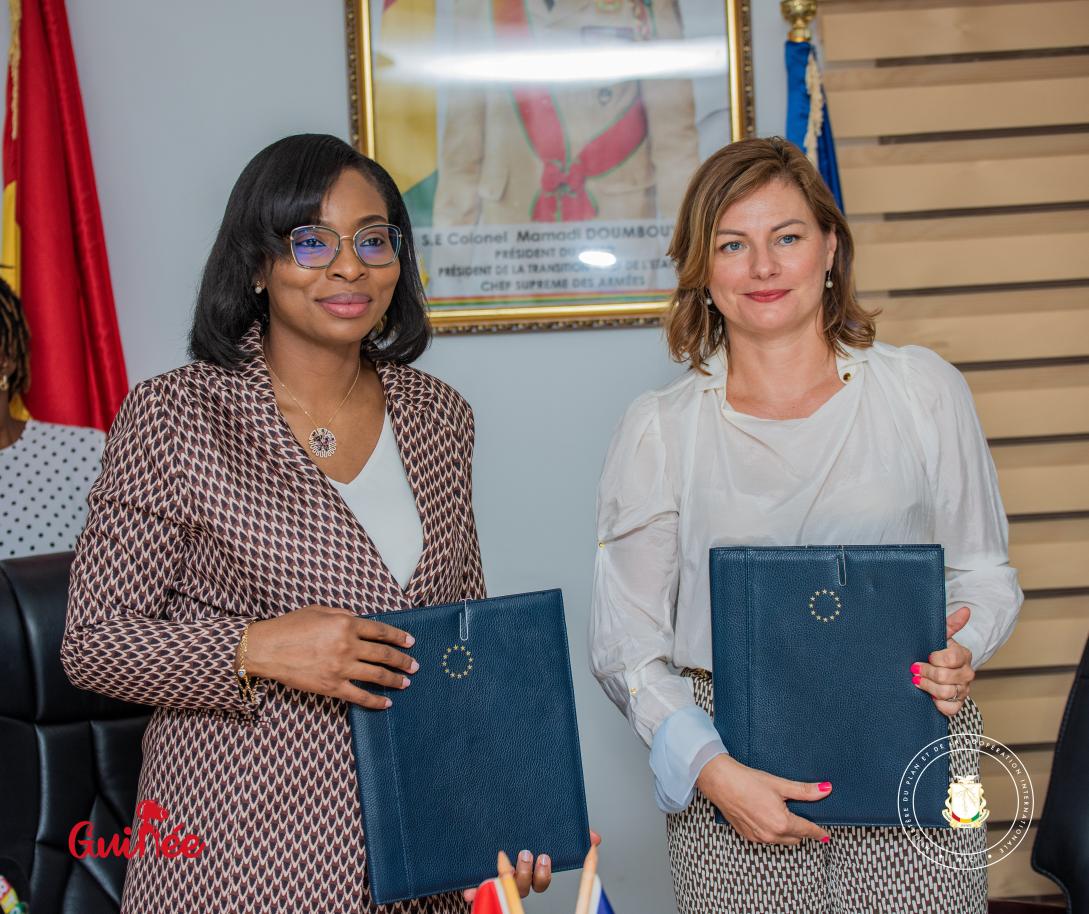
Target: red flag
<point>489,899</point>
<point>53,229</point>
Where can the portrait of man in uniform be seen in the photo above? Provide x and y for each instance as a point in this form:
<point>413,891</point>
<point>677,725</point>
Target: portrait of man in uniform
<point>543,146</point>
<point>570,150</point>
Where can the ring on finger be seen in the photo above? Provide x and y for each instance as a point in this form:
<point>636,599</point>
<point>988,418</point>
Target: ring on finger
<point>956,696</point>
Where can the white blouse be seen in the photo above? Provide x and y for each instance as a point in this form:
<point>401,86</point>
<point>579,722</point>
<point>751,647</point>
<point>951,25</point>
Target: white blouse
<point>897,455</point>
<point>382,501</point>
<point>44,479</point>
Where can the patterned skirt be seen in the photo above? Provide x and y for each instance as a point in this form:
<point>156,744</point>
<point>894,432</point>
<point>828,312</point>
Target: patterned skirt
<point>860,871</point>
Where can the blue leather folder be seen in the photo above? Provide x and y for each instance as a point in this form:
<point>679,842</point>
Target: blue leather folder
<point>479,754</point>
<point>812,649</point>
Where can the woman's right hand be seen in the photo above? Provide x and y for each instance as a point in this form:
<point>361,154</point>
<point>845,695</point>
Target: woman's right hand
<point>753,801</point>
<point>322,649</point>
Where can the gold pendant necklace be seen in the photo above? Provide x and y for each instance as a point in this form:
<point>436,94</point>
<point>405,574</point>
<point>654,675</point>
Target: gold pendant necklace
<point>322,441</point>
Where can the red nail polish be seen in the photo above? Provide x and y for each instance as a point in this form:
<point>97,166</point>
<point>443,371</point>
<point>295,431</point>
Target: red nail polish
<point>825,839</point>
<point>915,680</point>
<point>824,786</point>
<point>915,668</point>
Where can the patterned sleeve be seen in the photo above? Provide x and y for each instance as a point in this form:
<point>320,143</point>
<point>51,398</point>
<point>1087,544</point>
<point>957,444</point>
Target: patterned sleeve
<point>119,638</point>
<point>472,582</point>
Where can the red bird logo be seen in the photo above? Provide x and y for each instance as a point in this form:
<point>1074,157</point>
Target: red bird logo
<point>150,811</point>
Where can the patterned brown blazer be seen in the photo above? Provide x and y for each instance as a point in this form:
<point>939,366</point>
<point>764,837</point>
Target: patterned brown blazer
<point>209,514</point>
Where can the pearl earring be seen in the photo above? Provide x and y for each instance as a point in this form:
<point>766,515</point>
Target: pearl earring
<point>710,302</point>
<point>258,288</point>
<point>828,280</point>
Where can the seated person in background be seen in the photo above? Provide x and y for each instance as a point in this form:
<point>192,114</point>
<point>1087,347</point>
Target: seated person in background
<point>45,469</point>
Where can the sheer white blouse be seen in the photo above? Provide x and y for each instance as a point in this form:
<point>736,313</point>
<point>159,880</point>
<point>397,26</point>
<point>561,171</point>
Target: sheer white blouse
<point>897,455</point>
<point>381,499</point>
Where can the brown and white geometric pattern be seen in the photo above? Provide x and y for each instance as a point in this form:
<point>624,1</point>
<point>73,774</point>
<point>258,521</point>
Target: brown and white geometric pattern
<point>860,871</point>
<point>208,515</point>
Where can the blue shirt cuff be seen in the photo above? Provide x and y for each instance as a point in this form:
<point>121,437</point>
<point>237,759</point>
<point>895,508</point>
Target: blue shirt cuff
<point>684,742</point>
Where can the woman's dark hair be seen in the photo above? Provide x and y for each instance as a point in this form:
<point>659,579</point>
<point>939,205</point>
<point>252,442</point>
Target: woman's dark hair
<point>14,339</point>
<point>281,188</point>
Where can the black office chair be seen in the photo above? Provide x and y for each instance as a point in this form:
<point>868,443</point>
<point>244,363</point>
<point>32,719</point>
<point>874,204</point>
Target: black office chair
<point>65,755</point>
<point>1061,851</point>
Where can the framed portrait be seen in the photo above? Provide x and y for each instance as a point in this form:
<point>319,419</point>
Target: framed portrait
<point>543,146</point>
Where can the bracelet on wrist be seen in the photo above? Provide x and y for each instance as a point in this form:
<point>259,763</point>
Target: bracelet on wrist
<point>245,681</point>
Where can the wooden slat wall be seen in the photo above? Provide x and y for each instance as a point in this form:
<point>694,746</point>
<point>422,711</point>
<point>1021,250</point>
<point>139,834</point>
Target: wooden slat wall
<point>990,95</point>
<point>946,251</point>
<point>1015,877</point>
<point>962,132</point>
<point>990,326</point>
<point>1017,170</point>
<point>876,31</point>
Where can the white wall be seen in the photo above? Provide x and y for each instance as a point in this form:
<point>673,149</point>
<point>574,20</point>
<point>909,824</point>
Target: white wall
<point>178,97</point>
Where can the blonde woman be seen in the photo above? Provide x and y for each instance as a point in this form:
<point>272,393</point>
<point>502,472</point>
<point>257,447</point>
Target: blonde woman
<point>792,426</point>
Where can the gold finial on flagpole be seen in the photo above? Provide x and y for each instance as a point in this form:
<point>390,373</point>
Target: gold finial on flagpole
<point>799,13</point>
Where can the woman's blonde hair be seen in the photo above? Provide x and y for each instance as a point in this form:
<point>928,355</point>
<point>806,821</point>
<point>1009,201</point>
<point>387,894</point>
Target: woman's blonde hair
<point>696,330</point>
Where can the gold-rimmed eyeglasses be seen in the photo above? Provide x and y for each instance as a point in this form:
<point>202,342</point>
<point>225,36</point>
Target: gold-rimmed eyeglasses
<point>314,247</point>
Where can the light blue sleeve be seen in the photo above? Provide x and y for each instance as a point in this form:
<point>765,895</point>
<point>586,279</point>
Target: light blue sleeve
<point>685,742</point>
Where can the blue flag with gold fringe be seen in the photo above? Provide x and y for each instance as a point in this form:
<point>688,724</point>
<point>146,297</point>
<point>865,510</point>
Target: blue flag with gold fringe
<point>808,126</point>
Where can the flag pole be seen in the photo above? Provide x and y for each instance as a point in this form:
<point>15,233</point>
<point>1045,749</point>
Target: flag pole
<point>586,883</point>
<point>807,124</point>
<point>506,880</point>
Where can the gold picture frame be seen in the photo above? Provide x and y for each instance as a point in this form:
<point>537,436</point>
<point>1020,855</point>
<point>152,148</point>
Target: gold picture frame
<point>631,308</point>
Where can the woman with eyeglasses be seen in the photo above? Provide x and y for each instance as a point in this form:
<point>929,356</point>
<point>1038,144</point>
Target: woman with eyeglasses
<point>251,505</point>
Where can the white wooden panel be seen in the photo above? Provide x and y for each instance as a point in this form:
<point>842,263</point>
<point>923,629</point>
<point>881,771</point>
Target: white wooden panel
<point>1022,402</point>
<point>906,30</point>
<point>972,250</point>
<point>1023,709</point>
<point>989,326</point>
<point>894,101</point>
<point>1051,554</point>
<point>1044,478</point>
<point>1008,171</point>
<point>1051,631</point>
<point>1003,794</point>
<point>1014,876</point>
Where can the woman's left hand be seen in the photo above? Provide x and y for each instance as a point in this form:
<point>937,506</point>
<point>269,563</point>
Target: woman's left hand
<point>947,678</point>
<point>529,875</point>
